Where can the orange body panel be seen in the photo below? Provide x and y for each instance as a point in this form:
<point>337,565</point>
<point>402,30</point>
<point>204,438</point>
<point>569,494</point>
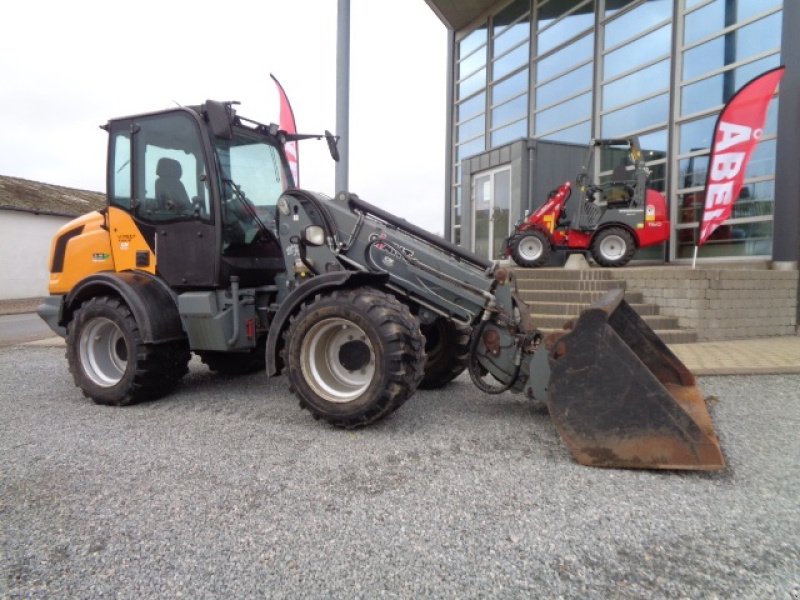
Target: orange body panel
<point>126,241</point>
<point>84,254</point>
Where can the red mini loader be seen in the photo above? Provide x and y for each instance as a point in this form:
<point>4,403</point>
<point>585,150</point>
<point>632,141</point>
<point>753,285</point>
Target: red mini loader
<point>610,220</point>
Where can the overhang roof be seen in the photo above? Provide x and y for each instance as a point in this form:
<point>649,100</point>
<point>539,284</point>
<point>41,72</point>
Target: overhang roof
<point>456,14</point>
<point>47,199</point>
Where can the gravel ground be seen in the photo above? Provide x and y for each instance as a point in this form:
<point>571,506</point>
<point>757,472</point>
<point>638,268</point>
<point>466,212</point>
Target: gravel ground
<point>227,489</point>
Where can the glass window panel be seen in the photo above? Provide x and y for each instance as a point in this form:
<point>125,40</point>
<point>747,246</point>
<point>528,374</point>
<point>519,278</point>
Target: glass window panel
<point>551,11</point>
<point>121,183</point>
<point>747,72</point>
<point>696,135</point>
<point>577,134</point>
<point>558,62</point>
<point>704,58</point>
<point>645,49</point>
<point>762,161</point>
<point>566,112</point>
<point>637,116</point>
<point>470,129</point>
<point>513,86</point>
<point>691,3</point>
<point>564,86</point>
<point>704,21</point>
<point>614,6</point>
<point>511,61</point>
<point>636,84</point>
<point>579,21</point>
<point>472,63</point>
<point>511,37</point>
<point>510,14</point>
<point>472,41</point>
<point>510,111</point>
<point>471,107</point>
<point>470,148</point>
<point>692,171</point>
<point>642,17</point>
<point>472,84</point>
<point>749,8</point>
<point>512,132</point>
<point>764,34</point>
<point>654,145</point>
<point>741,239</point>
<point>771,124</point>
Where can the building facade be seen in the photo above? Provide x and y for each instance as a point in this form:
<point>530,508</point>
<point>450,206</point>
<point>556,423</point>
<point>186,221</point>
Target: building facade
<point>567,71</point>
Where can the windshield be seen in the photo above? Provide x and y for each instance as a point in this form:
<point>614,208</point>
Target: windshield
<point>253,165</point>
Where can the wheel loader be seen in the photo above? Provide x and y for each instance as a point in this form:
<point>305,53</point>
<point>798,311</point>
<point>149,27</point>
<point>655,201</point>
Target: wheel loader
<point>207,247</point>
<point>609,221</point>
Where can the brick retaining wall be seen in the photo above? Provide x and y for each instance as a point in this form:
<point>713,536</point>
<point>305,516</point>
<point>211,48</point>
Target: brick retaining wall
<point>721,304</point>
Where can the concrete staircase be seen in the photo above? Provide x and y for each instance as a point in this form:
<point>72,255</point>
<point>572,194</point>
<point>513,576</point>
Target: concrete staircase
<point>557,295</point>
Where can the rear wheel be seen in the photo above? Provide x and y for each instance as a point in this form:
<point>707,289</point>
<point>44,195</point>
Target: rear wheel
<point>613,247</point>
<point>354,356</point>
<point>446,352</point>
<point>110,362</point>
<point>531,248</point>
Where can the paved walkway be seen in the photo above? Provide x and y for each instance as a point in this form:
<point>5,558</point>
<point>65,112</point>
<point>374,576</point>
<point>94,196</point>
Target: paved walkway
<point>739,357</point>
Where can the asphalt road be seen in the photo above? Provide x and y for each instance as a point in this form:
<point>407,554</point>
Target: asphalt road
<point>25,327</point>
<point>227,489</point>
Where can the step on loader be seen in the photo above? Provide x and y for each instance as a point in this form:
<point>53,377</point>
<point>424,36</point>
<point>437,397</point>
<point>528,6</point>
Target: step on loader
<point>207,247</point>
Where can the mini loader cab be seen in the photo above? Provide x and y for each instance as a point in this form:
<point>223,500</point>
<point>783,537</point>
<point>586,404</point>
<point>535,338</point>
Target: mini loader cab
<point>207,247</point>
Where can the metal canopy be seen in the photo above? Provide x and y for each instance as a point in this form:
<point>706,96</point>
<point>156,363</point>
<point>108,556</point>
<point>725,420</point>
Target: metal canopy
<point>456,14</point>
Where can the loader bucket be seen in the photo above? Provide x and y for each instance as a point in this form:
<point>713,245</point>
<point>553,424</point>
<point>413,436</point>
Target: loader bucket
<point>620,398</point>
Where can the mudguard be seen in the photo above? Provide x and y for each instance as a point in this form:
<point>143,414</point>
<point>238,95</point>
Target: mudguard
<point>152,303</point>
<point>315,285</point>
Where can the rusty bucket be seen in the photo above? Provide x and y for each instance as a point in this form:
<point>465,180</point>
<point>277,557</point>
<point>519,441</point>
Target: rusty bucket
<point>619,397</point>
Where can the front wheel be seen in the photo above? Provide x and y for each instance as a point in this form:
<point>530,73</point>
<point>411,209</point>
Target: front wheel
<point>613,247</point>
<point>446,352</point>
<point>530,248</point>
<point>110,362</point>
<point>354,356</point>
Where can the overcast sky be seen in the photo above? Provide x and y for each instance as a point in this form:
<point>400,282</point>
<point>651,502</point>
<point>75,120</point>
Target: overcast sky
<point>67,67</point>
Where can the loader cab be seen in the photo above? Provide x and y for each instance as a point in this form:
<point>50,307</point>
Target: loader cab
<point>191,206</point>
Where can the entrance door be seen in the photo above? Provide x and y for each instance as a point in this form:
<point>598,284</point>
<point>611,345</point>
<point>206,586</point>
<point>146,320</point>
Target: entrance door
<point>491,206</point>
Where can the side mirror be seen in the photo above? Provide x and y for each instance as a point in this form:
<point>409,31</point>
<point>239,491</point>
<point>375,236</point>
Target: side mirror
<point>220,118</point>
<point>332,147</point>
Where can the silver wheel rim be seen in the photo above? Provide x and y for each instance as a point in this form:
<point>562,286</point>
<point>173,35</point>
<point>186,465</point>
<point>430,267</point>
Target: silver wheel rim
<point>530,247</point>
<point>326,349</point>
<point>613,247</point>
<point>103,351</point>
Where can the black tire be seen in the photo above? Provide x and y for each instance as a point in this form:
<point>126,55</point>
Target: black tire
<point>613,247</point>
<point>236,363</point>
<point>354,356</point>
<point>110,362</point>
<point>531,248</point>
<point>446,352</point>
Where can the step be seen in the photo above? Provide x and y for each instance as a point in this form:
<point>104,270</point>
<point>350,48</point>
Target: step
<point>668,336</point>
<point>566,274</point>
<point>655,322</point>
<point>574,297</point>
<point>567,309</point>
<point>594,285</point>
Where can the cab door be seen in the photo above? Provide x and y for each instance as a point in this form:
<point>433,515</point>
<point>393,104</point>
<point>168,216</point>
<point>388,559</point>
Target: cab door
<point>160,216</point>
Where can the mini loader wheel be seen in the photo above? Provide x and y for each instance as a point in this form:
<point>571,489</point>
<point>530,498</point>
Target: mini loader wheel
<point>110,362</point>
<point>354,356</point>
<point>446,353</point>
<point>613,247</point>
<point>531,248</point>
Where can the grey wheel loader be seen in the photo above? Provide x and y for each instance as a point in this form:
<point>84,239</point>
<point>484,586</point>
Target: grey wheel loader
<point>207,246</point>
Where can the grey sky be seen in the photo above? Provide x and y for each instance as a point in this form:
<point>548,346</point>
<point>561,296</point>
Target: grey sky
<point>66,67</point>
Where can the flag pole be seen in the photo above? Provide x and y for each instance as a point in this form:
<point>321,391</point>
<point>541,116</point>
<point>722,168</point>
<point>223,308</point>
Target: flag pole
<point>694,260</point>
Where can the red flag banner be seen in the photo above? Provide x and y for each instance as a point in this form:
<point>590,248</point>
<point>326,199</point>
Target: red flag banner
<point>739,127</point>
<point>288,125</point>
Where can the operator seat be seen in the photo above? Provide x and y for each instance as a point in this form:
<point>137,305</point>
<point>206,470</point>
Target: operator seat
<point>170,193</point>
<point>620,192</point>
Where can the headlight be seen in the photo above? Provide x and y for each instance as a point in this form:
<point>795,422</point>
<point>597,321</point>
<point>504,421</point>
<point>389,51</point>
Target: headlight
<point>283,206</point>
<point>314,235</point>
